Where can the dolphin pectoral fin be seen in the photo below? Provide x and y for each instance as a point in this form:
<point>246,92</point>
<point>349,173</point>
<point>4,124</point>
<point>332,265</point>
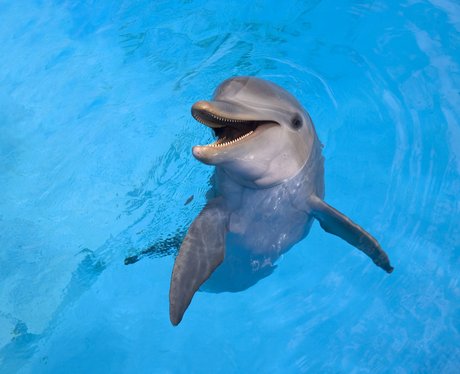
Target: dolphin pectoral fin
<point>336,223</point>
<point>201,252</point>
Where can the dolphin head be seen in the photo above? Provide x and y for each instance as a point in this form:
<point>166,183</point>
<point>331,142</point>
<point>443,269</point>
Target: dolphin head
<point>264,136</point>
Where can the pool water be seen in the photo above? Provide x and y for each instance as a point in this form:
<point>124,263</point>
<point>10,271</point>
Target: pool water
<point>96,166</point>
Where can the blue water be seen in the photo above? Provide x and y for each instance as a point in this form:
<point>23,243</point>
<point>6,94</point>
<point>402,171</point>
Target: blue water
<point>95,166</point>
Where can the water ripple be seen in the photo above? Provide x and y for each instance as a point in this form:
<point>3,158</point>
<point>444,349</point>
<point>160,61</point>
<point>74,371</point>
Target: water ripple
<point>95,166</point>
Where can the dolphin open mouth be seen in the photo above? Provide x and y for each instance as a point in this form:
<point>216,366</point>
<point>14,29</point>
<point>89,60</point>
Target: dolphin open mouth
<point>228,128</point>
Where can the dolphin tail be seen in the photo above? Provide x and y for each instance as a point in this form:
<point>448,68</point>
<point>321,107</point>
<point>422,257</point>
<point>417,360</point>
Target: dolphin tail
<point>336,223</point>
<point>201,252</point>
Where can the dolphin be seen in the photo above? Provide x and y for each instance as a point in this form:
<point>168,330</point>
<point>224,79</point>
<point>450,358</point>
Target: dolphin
<point>269,187</point>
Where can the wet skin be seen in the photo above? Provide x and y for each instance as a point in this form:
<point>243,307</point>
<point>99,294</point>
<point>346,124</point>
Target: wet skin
<point>269,187</point>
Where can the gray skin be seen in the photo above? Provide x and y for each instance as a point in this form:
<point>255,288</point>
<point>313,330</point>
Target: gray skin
<point>269,187</point>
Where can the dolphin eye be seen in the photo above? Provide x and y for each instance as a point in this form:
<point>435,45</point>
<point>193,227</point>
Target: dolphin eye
<point>296,122</point>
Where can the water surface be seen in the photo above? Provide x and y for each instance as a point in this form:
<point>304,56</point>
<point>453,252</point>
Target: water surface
<point>95,166</point>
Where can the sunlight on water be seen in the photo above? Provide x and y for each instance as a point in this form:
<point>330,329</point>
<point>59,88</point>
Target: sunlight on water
<point>95,166</point>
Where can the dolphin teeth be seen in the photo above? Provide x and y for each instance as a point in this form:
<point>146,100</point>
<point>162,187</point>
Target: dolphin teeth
<point>222,119</point>
<point>223,144</point>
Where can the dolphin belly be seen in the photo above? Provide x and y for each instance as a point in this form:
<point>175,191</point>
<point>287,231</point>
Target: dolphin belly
<point>263,227</point>
<point>268,233</point>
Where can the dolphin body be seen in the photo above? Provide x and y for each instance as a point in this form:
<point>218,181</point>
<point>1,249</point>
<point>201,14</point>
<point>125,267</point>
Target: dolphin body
<point>269,186</point>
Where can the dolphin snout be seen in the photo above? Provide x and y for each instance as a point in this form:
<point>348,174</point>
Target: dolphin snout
<point>201,105</point>
<point>197,152</point>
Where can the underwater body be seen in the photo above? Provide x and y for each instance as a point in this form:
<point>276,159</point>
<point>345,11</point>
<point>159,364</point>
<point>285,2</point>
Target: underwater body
<point>95,142</point>
<point>269,175</point>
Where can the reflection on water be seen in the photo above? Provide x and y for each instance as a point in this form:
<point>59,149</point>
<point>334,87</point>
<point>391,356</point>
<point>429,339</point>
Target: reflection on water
<point>95,138</point>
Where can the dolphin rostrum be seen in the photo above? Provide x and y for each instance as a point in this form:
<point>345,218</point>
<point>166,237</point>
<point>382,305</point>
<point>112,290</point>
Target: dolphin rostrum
<point>269,186</point>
